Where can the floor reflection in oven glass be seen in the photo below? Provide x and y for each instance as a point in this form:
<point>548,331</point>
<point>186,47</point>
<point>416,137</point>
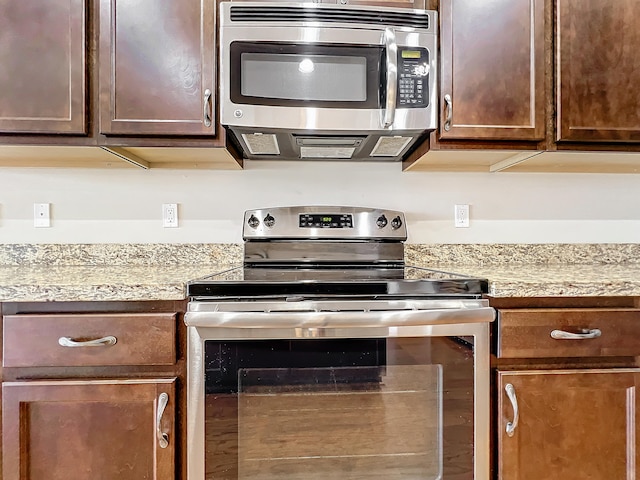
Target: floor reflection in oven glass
<point>414,420</point>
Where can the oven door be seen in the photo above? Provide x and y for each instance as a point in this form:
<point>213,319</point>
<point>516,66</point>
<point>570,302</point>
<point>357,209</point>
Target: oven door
<point>373,394</point>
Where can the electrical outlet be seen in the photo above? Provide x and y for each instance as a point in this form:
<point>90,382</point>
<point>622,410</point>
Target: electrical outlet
<point>170,215</point>
<point>41,215</point>
<point>461,216</point>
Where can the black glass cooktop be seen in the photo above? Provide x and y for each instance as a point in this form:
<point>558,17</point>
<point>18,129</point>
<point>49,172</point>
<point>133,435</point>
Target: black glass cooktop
<point>325,281</point>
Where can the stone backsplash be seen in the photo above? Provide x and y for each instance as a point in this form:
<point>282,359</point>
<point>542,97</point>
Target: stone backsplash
<point>211,254</point>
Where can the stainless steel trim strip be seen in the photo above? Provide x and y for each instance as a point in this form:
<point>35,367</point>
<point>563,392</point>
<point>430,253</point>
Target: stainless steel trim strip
<point>338,319</point>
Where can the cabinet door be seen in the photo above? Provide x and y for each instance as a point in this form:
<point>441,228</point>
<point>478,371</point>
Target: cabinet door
<point>598,70</point>
<point>157,62</point>
<point>85,430</point>
<point>42,66</point>
<point>572,425</point>
<point>492,79</point>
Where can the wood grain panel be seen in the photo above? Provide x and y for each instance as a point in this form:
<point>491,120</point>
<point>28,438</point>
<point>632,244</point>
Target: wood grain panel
<point>597,68</point>
<point>573,425</point>
<point>492,57</point>
<point>157,58</point>
<point>142,339</point>
<point>526,333</point>
<point>86,430</point>
<point>42,73</point>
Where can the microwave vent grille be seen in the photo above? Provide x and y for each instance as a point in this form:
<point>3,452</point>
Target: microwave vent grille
<point>330,15</point>
<point>327,152</point>
<point>261,144</point>
<point>390,146</point>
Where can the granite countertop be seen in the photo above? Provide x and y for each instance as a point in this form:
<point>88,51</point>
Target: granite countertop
<point>104,272</point>
<point>160,272</point>
<point>98,282</point>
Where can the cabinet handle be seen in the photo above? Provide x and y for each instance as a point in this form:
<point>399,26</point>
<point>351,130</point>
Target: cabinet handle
<point>511,393</point>
<point>584,335</point>
<point>98,342</point>
<point>206,108</point>
<point>449,112</point>
<point>163,437</point>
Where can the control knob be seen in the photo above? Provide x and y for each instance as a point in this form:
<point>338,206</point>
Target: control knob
<point>381,222</point>
<point>396,223</point>
<point>269,221</point>
<point>253,221</point>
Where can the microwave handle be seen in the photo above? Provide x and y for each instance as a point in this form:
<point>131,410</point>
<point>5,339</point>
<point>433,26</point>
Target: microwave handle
<point>392,76</point>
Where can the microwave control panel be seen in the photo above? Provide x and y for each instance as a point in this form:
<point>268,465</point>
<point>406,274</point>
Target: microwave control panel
<point>413,77</point>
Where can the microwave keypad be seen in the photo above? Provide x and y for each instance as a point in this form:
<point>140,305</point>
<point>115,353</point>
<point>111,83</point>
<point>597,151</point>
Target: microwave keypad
<point>413,81</point>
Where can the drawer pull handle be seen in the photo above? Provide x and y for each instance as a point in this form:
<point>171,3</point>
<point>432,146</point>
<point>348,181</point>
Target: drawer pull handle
<point>584,335</point>
<point>511,393</point>
<point>163,437</point>
<point>98,342</point>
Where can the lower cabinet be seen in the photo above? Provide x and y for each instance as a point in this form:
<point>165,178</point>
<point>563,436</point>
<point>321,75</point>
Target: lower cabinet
<point>568,424</point>
<point>566,401</point>
<point>85,430</point>
<point>92,391</point>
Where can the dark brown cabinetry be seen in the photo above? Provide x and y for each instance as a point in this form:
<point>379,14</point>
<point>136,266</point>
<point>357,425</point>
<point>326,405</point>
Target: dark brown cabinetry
<point>112,430</point>
<point>598,70</point>
<point>566,392</point>
<point>157,67</point>
<point>492,70</point>
<point>42,73</point>
<point>92,392</point>
<point>572,424</point>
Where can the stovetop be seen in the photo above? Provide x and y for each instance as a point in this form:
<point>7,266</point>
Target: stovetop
<point>289,281</point>
<point>300,252</point>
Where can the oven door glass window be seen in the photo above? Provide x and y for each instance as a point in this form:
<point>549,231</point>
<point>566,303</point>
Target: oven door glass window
<point>306,75</point>
<point>398,408</point>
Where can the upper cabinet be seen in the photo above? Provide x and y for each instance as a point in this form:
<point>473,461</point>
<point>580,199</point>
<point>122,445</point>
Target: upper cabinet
<point>492,70</point>
<point>157,67</point>
<point>42,66</point>
<point>598,70</point>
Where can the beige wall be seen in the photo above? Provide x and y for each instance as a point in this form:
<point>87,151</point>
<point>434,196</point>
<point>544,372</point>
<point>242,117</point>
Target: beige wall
<point>98,206</point>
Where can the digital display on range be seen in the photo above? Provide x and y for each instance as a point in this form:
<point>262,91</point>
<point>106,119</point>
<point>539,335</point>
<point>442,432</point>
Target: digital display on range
<point>325,220</point>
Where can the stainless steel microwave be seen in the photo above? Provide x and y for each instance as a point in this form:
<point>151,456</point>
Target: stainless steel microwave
<point>327,81</point>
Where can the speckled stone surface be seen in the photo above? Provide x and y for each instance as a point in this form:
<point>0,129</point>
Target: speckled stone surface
<point>161,271</point>
<point>119,254</point>
<point>539,270</point>
<point>103,272</point>
<point>524,254</point>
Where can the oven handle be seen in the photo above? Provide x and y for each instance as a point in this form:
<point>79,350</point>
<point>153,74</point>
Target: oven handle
<point>392,76</point>
<point>340,319</point>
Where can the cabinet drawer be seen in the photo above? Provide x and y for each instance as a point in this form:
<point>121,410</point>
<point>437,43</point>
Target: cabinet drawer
<point>527,333</point>
<point>88,339</point>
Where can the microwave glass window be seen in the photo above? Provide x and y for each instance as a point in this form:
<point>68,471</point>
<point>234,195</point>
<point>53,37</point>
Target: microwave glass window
<point>304,77</point>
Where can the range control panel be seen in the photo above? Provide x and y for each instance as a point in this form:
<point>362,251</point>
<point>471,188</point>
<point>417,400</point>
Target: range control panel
<point>318,222</point>
<point>413,77</point>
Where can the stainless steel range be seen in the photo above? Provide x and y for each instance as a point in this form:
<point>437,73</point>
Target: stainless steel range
<point>325,356</point>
